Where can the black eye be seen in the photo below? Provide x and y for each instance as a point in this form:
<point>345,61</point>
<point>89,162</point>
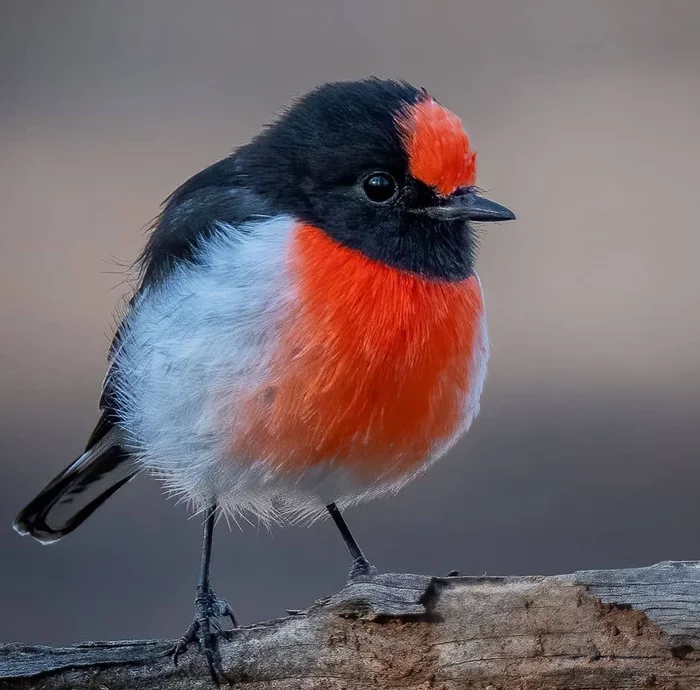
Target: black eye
<point>379,187</point>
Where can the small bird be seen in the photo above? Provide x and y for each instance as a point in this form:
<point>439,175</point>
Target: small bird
<point>308,331</point>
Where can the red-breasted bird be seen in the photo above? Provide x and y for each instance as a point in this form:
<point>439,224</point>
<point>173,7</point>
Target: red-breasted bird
<point>308,332</point>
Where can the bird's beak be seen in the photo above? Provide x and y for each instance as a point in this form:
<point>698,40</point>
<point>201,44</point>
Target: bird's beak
<point>466,204</point>
<point>473,207</point>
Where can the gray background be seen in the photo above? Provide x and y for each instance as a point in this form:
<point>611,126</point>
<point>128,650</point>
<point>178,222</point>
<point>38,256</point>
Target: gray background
<point>586,116</point>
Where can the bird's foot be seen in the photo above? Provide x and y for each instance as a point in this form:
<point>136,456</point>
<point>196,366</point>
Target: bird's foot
<point>361,569</point>
<point>205,630</point>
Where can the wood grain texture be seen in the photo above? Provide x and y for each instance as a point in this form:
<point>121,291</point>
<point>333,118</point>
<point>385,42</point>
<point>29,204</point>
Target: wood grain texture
<point>635,628</point>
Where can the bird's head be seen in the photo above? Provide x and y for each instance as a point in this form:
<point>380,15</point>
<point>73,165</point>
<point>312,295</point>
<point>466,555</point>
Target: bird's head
<point>381,167</point>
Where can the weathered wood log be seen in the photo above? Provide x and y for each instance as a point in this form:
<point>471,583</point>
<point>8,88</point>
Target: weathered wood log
<point>595,629</point>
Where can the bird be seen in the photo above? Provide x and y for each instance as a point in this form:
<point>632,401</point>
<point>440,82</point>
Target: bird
<point>307,330</point>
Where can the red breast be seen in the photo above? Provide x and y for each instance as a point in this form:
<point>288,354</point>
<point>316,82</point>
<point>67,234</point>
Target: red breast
<point>372,368</point>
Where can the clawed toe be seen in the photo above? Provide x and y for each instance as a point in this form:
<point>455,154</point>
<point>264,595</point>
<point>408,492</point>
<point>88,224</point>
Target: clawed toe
<point>361,569</point>
<point>180,647</point>
<point>205,630</point>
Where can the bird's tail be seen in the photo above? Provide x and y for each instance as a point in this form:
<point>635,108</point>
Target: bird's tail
<point>71,497</point>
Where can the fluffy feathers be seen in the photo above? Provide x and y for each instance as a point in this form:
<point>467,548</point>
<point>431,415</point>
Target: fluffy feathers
<point>234,384</point>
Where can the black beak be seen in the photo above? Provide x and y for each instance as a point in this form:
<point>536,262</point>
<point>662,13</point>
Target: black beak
<point>466,204</point>
<point>473,207</point>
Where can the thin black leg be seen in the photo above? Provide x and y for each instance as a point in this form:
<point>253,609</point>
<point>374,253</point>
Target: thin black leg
<point>209,522</point>
<point>361,566</point>
<point>205,628</point>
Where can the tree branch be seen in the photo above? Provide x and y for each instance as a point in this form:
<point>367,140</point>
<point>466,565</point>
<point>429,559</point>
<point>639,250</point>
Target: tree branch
<point>636,628</point>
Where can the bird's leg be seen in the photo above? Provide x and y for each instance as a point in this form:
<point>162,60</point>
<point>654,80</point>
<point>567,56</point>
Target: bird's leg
<point>208,608</point>
<point>361,567</point>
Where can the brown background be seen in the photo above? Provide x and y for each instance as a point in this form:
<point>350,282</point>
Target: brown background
<point>587,119</point>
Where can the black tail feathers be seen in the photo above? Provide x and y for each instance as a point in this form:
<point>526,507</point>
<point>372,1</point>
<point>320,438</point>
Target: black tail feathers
<point>71,497</point>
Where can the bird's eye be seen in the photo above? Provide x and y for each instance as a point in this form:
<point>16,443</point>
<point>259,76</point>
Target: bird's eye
<point>379,187</point>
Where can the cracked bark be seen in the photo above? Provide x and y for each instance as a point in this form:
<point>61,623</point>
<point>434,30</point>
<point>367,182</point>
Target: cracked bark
<point>606,629</point>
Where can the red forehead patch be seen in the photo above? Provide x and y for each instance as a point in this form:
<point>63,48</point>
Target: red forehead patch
<point>438,147</point>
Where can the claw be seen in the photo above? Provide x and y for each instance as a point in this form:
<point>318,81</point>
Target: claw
<point>205,630</point>
<point>212,663</point>
<point>181,645</point>
<point>361,569</point>
<point>225,610</point>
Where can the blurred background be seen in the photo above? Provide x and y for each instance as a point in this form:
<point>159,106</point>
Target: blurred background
<point>586,118</point>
